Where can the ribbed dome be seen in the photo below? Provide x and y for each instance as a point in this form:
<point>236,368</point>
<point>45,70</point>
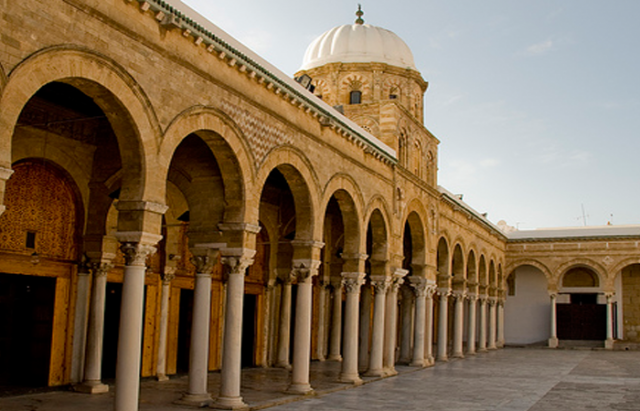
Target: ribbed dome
<point>358,43</point>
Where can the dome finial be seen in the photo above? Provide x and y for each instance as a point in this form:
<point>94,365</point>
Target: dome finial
<point>359,13</point>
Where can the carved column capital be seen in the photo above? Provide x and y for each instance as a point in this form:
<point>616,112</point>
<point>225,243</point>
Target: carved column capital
<point>420,286</point>
<point>397,279</point>
<point>168,275</point>
<point>135,254</point>
<point>380,283</point>
<point>237,260</point>
<point>352,282</point>
<point>472,298</point>
<point>304,270</point>
<point>100,268</point>
<point>443,292</point>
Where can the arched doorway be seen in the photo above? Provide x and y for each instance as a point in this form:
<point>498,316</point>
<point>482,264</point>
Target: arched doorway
<point>527,308</point>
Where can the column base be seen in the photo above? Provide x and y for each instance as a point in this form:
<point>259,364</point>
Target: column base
<point>350,379</point>
<point>286,366</point>
<point>471,353</point>
<point>442,358</point>
<point>482,350</point>
<point>553,342</point>
<point>390,372</point>
<point>162,377</point>
<point>493,347</point>
<point>375,373</point>
<point>430,361</point>
<point>335,358</point>
<point>91,387</point>
<point>608,344</point>
<point>299,389</point>
<point>457,355</point>
<point>420,363</point>
<point>197,400</point>
<point>229,403</point>
<point>501,344</point>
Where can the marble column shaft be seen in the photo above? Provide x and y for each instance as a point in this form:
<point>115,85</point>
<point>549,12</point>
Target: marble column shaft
<point>230,373</point>
<point>443,324</point>
<point>407,326</point>
<point>458,325</point>
<point>472,325</point>
<point>428,338</point>
<point>161,365</point>
<point>482,335</point>
<point>336,321</point>
<point>391,325</point>
<point>130,334</point>
<point>284,329</point>
<point>197,391</point>
<point>302,332</point>
<point>492,324</point>
<point>380,286</point>
<point>419,286</point>
<point>93,358</point>
<point>553,339</point>
<point>349,372</point>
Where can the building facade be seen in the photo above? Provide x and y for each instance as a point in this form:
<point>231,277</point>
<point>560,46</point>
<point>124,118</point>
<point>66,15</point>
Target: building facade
<point>166,193</point>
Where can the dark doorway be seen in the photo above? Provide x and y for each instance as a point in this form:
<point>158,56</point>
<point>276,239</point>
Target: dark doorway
<point>113,299</point>
<point>249,330</point>
<point>583,319</point>
<point>184,330</point>
<point>26,315</point>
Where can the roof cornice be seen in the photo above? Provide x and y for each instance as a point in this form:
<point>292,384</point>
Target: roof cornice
<point>170,17</point>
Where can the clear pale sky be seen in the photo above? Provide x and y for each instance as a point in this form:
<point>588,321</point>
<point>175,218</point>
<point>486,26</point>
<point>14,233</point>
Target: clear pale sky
<point>536,103</point>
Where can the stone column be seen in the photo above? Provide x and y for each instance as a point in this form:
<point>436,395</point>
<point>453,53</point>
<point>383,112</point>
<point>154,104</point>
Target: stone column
<point>428,338</point>
<point>197,392</point>
<point>407,316</point>
<point>80,322</point>
<point>608,344</point>
<point>365,326</point>
<point>131,317</point>
<point>92,383</point>
<point>349,373</point>
<point>458,324</point>
<point>391,321</point>
<point>553,339</point>
<point>443,325</point>
<point>284,330</point>
<point>380,284</point>
<point>482,335</point>
<point>161,365</point>
<point>236,262</point>
<point>419,286</point>
<point>5,173</point>
<point>492,324</point>
<point>304,271</point>
<point>322,320</point>
<point>336,321</point>
<point>471,326</point>
<point>500,342</point>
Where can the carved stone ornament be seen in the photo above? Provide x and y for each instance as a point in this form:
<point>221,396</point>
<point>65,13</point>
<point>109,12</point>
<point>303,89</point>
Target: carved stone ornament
<point>203,263</point>
<point>100,269</point>
<point>136,254</point>
<point>169,274</point>
<point>381,285</point>
<point>420,287</point>
<point>443,292</point>
<point>607,261</point>
<point>352,282</point>
<point>237,264</point>
<point>303,271</point>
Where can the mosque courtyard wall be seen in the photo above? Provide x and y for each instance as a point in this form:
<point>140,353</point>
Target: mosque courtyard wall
<point>166,193</point>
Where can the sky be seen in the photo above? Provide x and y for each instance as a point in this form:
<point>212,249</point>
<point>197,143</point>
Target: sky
<point>536,103</point>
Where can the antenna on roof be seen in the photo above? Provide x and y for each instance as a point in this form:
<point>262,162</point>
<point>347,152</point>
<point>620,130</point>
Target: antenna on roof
<point>359,13</point>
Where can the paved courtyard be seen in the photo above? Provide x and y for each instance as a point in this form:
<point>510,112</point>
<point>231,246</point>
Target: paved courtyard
<point>510,380</point>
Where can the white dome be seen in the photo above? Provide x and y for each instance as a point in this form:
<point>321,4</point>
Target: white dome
<point>358,43</point>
